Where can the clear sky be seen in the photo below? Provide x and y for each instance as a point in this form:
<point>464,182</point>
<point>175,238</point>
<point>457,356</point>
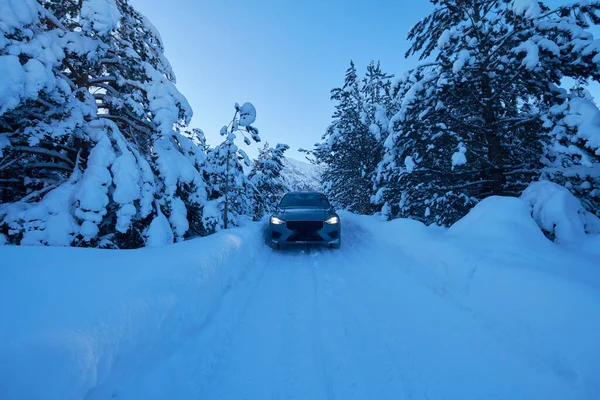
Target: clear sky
<point>284,56</point>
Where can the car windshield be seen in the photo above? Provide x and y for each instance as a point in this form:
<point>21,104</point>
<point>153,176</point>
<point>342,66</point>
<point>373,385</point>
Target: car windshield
<point>309,200</point>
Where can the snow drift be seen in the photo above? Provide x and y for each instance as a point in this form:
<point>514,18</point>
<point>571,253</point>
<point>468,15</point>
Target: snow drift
<point>559,213</point>
<point>539,298</point>
<point>69,317</point>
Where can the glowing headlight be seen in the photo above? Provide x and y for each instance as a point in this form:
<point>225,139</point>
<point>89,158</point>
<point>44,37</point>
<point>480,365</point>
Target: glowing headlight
<point>332,220</point>
<point>276,221</point>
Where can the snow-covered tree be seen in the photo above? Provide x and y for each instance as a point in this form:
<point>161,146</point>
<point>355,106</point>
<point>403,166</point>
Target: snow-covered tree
<point>266,177</point>
<point>377,107</point>
<point>474,119</point>
<point>351,147</point>
<point>90,149</point>
<point>573,153</point>
<point>230,191</point>
<point>377,100</point>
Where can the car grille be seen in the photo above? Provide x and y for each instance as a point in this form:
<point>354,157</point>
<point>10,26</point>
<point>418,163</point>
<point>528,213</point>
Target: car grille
<point>305,231</point>
<point>304,226</point>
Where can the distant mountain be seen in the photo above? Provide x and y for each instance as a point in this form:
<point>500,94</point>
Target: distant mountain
<point>301,175</point>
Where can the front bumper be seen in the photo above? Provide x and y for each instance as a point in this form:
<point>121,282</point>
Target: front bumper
<point>305,232</point>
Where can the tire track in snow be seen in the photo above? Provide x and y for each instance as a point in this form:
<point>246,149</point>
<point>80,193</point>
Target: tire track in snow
<point>340,324</point>
<point>200,353</point>
<point>291,355</point>
<point>379,377</point>
<point>219,355</point>
<point>269,358</point>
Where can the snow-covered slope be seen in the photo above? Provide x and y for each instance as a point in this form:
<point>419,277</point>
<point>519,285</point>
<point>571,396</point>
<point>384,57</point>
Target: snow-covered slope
<point>301,175</point>
<point>487,309</point>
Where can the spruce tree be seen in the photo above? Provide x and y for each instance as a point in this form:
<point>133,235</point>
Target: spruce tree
<point>89,153</point>
<point>572,156</point>
<point>377,106</point>
<point>230,191</point>
<point>266,178</point>
<point>475,117</point>
<point>350,149</point>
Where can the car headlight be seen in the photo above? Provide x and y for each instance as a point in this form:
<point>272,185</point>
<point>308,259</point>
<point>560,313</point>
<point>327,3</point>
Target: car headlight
<point>332,220</point>
<point>276,221</point>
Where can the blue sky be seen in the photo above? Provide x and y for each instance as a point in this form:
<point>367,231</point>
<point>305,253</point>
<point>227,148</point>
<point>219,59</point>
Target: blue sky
<point>283,56</point>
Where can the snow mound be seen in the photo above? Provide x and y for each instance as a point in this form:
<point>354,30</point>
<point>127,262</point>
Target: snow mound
<point>559,213</point>
<point>498,217</point>
<point>85,315</point>
<point>591,244</point>
<point>159,232</point>
<point>403,227</point>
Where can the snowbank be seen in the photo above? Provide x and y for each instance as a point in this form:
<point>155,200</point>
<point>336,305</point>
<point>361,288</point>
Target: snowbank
<point>538,298</point>
<point>501,218</point>
<point>559,213</point>
<point>69,317</point>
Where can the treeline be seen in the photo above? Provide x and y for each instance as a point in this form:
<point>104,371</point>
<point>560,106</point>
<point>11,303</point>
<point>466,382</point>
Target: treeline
<point>497,100</point>
<point>94,144</point>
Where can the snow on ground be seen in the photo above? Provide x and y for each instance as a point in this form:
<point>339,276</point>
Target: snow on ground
<point>69,318</point>
<point>487,309</point>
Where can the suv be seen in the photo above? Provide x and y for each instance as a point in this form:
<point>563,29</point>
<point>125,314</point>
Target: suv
<point>305,218</point>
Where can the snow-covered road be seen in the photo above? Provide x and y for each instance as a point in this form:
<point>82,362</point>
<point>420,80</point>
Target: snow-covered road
<point>373,320</point>
<point>350,324</point>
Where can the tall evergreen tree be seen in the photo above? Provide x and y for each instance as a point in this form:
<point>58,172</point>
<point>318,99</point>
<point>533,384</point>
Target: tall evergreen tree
<point>475,120</point>
<point>572,156</point>
<point>89,153</point>
<point>377,100</point>
<point>266,177</point>
<point>230,191</point>
<point>350,149</point>
<point>377,106</point>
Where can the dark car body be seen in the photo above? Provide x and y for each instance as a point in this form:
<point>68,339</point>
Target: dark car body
<point>304,218</point>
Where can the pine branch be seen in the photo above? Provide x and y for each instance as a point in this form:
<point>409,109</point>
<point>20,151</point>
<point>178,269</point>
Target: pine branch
<point>39,193</point>
<point>42,151</point>
<point>48,166</point>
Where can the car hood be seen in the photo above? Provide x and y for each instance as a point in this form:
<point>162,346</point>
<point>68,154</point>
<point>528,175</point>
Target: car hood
<point>305,214</point>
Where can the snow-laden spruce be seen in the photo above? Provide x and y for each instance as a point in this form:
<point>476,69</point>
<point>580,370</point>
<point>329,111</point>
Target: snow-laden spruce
<point>92,146</point>
<point>266,177</point>
<point>231,194</point>
<point>573,153</point>
<point>351,148</point>
<point>485,112</point>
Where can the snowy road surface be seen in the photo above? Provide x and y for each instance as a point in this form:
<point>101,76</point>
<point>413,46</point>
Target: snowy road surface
<point>370,321</point>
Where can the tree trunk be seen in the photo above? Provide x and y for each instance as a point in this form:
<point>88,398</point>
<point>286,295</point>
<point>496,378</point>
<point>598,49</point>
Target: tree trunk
<point>493,170</point>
